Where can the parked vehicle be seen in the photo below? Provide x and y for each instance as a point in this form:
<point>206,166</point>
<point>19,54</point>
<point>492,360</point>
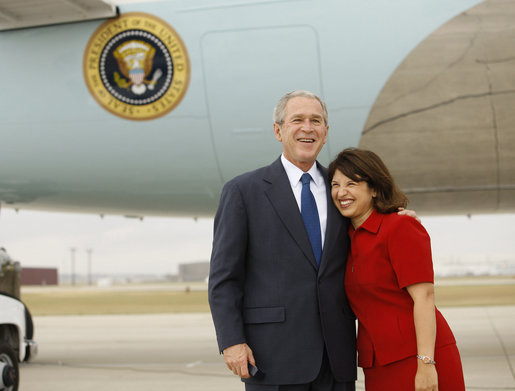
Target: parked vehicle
<point>16,340</point>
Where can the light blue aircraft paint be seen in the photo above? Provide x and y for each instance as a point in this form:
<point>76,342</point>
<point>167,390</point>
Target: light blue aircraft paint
<point>61,150</point>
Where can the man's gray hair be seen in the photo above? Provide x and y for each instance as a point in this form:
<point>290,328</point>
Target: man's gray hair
<point>280,108</point>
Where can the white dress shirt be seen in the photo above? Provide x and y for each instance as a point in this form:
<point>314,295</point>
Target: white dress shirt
<point>317,187</point>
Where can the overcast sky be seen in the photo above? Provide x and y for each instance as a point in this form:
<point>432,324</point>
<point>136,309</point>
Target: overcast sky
<point>158,245</point>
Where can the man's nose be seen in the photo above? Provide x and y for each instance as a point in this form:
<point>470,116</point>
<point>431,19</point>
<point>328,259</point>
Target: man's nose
<point>307,125</point>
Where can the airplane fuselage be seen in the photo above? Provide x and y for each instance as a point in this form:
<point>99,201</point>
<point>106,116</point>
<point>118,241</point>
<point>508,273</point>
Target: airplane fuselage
<point>63,148</point>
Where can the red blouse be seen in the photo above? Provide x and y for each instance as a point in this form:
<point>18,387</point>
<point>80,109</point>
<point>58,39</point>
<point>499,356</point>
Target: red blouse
<point>388,253</point>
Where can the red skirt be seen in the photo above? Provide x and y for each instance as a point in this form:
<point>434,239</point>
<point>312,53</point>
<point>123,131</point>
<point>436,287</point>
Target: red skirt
<point>400,375</point>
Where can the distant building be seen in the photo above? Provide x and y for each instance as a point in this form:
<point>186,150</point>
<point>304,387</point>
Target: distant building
<point>196,271</point>
<point>38,276</point>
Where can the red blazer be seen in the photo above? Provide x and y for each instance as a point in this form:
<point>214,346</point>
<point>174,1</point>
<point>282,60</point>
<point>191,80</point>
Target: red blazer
<point>388,253</point>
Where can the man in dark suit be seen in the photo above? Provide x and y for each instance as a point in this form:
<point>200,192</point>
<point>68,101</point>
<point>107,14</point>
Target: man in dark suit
<point>276,282</point>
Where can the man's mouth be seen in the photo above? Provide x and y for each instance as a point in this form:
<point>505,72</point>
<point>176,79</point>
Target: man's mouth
<point>306,140</point>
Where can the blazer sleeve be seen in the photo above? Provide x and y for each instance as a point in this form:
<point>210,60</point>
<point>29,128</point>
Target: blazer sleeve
<point>227,267</point>
<point>409,248</point>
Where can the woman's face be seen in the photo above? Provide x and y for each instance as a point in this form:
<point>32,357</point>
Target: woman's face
<point>353,199</point>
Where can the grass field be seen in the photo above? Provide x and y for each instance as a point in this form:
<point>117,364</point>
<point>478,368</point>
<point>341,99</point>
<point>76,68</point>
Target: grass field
<point>475,295</point>
<point>80,302</point>
<point>75,301</point>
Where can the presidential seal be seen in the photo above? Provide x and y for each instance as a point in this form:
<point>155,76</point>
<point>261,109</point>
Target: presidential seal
<point>136,66</point>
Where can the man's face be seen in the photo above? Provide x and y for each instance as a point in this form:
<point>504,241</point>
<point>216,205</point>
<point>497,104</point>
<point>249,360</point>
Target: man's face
<point>303,132</point>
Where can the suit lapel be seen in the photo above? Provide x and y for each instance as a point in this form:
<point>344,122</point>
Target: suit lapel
<point>280,194</point>
<point>335,223</point>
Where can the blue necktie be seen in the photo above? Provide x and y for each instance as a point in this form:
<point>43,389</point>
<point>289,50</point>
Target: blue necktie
<point>309,212</point>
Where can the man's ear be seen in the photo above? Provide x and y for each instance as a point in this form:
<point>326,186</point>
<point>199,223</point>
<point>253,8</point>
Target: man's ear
<point>277,132</point>
<point>326,133</point>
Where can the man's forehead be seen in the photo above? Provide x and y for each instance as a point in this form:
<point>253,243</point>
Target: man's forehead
<point>304,106</point>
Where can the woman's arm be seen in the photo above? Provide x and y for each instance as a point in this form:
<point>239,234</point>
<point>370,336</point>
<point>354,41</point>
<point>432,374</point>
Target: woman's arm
<point>422,294</point>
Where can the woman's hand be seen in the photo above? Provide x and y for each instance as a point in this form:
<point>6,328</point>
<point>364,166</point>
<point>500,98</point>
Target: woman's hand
<point>426,378</point>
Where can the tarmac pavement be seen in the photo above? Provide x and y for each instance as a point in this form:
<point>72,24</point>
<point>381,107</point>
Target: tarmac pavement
<point>178,352</point>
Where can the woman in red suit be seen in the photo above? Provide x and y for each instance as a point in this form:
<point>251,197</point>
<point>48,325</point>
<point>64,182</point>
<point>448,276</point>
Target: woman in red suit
<point>404,343</point>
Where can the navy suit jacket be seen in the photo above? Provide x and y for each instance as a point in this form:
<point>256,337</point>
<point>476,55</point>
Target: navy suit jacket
<point>265,288</point>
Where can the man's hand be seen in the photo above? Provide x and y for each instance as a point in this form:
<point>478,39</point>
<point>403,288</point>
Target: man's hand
<point>410,213</point>
<point>237,358</point>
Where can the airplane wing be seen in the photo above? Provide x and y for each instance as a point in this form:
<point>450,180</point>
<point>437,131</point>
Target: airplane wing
<point>15,14</point>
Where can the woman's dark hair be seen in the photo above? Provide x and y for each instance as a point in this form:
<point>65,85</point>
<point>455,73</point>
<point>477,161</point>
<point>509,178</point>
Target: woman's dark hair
<point>362,165</point>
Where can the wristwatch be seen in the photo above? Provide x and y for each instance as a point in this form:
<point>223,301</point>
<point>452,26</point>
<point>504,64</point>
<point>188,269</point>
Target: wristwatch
<point>426,359</point>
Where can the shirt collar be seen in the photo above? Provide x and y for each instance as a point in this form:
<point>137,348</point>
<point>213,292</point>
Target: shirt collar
<point>371,224</point>
<point>294,173</point>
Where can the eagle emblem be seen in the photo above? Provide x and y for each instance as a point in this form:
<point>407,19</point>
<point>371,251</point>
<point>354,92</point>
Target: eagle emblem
<point>136,66</point>
<point>135,60</point>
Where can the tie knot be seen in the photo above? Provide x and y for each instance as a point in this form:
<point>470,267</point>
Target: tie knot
<point>305,178</point>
